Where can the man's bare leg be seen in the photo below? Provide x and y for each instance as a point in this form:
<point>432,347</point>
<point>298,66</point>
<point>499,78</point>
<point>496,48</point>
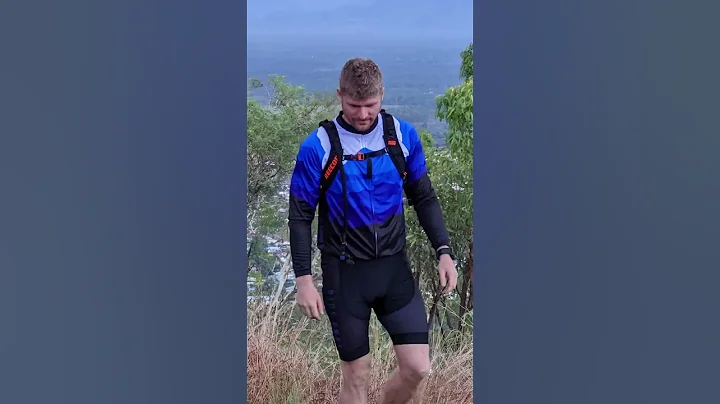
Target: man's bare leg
<point>355,381</point>
<point>413,367</point>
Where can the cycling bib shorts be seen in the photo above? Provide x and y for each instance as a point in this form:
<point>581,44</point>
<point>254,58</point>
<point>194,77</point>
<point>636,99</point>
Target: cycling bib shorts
<point>386,286</point>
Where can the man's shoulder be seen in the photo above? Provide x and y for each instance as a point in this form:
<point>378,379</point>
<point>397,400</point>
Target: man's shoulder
<point>312,141</point>
<point>311,148</point>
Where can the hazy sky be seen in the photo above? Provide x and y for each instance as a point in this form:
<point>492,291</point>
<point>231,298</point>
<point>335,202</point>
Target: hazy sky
<point>260,8</point>
<point>386,19</point>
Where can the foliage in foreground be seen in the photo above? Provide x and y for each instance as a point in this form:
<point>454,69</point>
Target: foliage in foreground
<point>293,360</point>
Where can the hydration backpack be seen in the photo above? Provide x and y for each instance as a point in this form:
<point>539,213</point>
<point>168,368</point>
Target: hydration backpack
<point>392,147</point>
<point>336,156</point>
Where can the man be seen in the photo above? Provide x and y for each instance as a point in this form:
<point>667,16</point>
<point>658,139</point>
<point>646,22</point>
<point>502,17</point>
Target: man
<point>355,168</point>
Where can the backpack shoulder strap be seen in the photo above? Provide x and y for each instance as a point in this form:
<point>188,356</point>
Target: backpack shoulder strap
<point>393,144</point>
<point>331,169</point>
<point>334,158</point>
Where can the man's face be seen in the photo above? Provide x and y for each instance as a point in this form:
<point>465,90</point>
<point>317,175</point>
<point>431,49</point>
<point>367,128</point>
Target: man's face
<point>360,113</point>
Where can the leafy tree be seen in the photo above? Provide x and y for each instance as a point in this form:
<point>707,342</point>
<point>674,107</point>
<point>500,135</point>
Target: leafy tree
<point>274,133</point>
<point>450,170</point>
<point>466,67</point>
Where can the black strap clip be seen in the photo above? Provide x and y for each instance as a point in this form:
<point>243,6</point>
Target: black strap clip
<point>344,257</point>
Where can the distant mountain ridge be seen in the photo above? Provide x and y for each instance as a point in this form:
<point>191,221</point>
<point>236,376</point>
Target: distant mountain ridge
<point>396,18</point>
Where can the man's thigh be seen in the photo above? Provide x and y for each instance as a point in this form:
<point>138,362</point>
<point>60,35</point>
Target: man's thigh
<point>402,309</point>
<point>347,310</point>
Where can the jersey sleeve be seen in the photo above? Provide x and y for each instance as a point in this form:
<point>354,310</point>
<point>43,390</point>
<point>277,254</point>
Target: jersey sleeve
<point>303,199</point>
<point>420,191</point>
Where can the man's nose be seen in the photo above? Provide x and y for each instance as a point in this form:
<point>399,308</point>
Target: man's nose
<point>364,113</point>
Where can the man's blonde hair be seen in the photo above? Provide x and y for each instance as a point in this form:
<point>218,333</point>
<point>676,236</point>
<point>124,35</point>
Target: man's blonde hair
<point>361,79</point>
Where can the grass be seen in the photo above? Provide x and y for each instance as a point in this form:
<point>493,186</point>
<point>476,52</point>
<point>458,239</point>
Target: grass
<point>292,360</point>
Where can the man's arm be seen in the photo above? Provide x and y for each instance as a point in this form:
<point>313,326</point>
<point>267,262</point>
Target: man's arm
<point>420,190</point>
<point>304,192</point>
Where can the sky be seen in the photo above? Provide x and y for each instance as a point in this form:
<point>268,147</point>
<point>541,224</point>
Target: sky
<point>295,19</point>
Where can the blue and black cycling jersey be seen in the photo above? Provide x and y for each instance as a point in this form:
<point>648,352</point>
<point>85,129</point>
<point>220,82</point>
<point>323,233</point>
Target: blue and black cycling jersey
<point>366,206</point>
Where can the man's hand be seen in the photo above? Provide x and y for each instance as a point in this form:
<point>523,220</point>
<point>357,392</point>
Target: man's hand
<point>308,298</point>
<point>448,274</point>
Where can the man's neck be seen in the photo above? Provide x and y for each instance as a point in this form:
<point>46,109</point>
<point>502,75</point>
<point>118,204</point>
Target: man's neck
<point>348,127</point>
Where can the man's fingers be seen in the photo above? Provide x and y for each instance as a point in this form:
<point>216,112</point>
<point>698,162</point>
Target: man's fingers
<point>314,313</point>
<point>443,280</point>
<point>453,280</point>
<point>320,307</point>
<point>448,279</point>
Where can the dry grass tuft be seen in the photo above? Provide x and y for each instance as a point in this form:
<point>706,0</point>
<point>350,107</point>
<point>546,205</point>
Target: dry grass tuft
<point>293,361</point>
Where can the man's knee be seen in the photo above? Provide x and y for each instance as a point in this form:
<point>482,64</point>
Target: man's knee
<point>413,362</point>
<point>415,372</point>
<point>356,373</point>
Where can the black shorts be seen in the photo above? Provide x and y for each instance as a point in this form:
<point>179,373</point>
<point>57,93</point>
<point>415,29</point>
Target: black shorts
<point>386,286</point>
